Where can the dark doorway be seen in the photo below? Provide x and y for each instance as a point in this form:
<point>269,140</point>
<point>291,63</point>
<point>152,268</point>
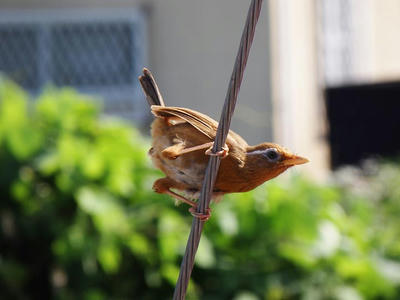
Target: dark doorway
<point>364,122</point>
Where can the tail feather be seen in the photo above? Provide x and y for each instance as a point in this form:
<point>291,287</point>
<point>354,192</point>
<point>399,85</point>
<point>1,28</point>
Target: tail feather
<point>150,88</point>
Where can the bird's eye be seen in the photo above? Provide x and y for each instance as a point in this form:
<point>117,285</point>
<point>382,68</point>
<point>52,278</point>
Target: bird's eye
<point>272,155</point>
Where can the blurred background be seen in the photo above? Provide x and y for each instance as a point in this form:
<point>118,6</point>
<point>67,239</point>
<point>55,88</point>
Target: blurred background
<point>78,218</point>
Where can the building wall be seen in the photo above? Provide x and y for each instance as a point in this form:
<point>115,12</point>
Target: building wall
<point>192,47</point>
<point>299,116</point>
<point>386,21</point>
<point>359,41</point>
<point>323,43</point>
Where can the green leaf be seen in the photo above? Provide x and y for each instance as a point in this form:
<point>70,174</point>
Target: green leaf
<point>109,257</point>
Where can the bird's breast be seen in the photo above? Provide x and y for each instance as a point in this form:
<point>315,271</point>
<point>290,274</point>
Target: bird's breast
<point>188,168</point>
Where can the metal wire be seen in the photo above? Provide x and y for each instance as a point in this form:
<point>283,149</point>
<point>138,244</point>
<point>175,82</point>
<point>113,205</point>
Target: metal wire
<point>214,162</point>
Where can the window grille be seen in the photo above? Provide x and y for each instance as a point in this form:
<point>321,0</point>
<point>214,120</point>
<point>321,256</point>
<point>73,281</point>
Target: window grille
<point>337,41</point>
<point>96,52</point>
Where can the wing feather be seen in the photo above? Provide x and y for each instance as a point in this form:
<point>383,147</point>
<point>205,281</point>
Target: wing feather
<point>201,122</point>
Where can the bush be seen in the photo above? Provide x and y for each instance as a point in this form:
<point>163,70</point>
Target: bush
<point>79,219</point>
<point>78,214</point>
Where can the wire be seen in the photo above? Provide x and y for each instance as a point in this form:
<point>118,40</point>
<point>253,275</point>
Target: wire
<point>214,162</point>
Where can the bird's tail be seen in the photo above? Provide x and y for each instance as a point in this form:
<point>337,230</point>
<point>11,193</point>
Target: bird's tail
<point>150,88</point>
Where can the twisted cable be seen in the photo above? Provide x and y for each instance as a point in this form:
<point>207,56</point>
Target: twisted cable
<point>214,161</point>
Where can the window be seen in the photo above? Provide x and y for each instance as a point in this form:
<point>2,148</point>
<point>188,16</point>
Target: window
<point>97,52</point>
<point>364,122</point>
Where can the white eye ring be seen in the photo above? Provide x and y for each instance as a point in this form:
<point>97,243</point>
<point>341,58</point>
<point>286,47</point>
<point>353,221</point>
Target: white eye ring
<point>272,155</point>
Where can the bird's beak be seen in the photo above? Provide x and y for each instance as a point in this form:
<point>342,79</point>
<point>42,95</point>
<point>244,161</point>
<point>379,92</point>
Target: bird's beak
<point>295,160</point>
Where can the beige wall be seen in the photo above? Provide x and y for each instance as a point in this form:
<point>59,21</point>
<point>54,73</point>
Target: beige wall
<point>299,116</point>
<point>386,41</point>
<point>376,25</point>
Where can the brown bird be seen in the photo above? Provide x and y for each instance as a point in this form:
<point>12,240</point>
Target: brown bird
<point>182,139</point>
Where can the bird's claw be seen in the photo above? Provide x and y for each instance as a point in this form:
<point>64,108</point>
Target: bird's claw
<point>222,153</point>
<point>201,216</point>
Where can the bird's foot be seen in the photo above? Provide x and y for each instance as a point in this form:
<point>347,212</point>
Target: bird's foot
<point>222,153</point>
<point>201,216</point>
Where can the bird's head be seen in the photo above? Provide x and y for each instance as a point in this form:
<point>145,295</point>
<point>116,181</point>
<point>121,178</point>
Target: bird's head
<point>268,160</point>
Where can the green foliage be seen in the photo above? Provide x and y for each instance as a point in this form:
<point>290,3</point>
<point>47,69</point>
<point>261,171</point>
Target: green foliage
<point>298,240</point>
<point>79,219</point>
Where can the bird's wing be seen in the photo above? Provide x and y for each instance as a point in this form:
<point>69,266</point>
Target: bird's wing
<point>201,122</point>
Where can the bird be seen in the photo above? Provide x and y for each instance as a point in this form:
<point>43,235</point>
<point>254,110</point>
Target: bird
<point>182,140</point>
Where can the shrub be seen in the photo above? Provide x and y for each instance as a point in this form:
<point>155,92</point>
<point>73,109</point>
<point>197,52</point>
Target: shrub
<point>79,219</point>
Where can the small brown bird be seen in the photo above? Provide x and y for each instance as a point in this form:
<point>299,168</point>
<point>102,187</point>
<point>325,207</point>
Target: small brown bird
<point>182,139</point>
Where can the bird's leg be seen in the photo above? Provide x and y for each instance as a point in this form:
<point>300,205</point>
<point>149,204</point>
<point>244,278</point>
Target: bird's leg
<point>172,152</point>
<point>203,217</point>
<point>222,153</point>
<point>163,185</point>
<point>216,197</point>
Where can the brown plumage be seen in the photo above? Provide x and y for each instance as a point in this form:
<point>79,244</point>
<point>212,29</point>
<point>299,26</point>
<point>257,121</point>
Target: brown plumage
<point>182,138</point>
